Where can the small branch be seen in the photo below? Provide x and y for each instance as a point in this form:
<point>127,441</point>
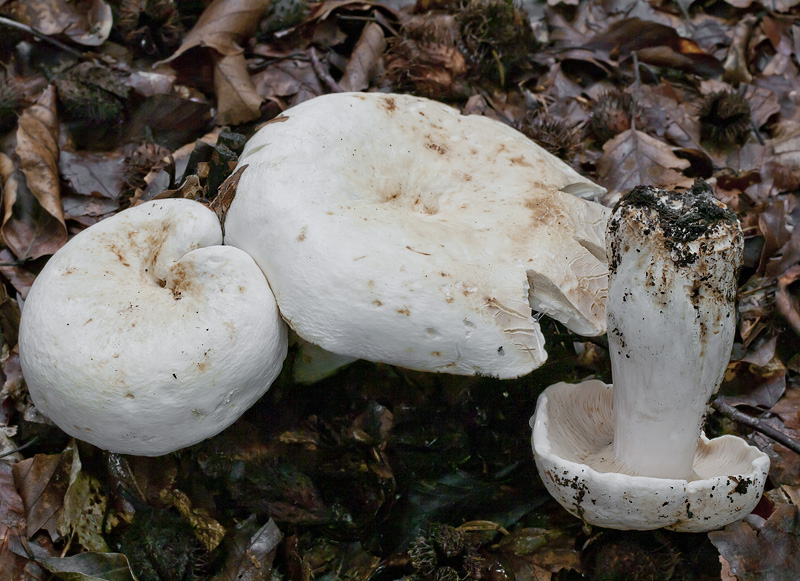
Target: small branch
<point>27,444</point>
<point>37,34</point>
<point>323,74</point>
<point>756,424</point>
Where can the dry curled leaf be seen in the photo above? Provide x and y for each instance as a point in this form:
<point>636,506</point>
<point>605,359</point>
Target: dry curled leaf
<point>771,553</point>
<point>86,22</point>
<point>223,25</point>
<point>43,482</point>
<point>33,224</point>
<point>12,524</point>
<point>363,63</point>
<point>251,551</point>
<point>37,149</point>
<point>237,100</point>
<point>634,158</point>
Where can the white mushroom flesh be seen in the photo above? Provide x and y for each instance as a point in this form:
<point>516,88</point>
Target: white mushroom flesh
<point>394,229</point>
<point>573,433</point>
<point>143,334</point>
<point>673,262</point>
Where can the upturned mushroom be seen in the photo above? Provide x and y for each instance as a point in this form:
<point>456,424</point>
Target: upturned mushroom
<point>143,334</point>
<point>633,455</point>
<point>394,229</point>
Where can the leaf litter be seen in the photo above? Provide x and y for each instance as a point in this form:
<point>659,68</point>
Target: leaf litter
<point>382,473</point>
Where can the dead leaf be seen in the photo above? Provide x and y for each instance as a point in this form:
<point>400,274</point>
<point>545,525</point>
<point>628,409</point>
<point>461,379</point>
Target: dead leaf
<point>37,148</point>
<point>787,304</point>
<point>788,408</point>
<point>91,567</point>
<point>237,100</point>
<point>364,61</point>
<point>769,554</point>
<point>223,25</point>
<point>27,229</point>
<point>227,191</point>
<point>19,278</point>
<point>43,482</point>
<point>86,22</point>
<point>251,551</point>
<point>288,78</point>
<point>84,512</point>
<point>657,44</point>
<point>634,158</point>
<point>91,173</point>
<point>12,524</point>
<point>207,530</point>
<point>33,224</point>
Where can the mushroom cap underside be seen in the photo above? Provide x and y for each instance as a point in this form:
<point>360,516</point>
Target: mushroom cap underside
<point>394,229</point>
<point>143,335</point>
<point>573,432</point>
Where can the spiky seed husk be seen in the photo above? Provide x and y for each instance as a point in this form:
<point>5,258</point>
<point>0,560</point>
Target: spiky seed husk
<point>612,114</point>
<point>725,118</point>
<point>150,27</point>
<point>425,59</point>
<point>497,38</point>
<point>554,134</point>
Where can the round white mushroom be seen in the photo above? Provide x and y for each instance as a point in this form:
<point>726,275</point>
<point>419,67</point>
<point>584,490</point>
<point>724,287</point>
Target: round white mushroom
<point>392,228</point>
<point>633,456</point>
<point>143,334</point>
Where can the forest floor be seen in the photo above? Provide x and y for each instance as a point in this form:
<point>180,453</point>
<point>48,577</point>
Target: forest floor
<point>380,473</point>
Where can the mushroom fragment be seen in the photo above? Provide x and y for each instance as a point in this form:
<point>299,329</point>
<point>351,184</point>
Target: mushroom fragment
<point>392,228</point>
<point>143,335</point>
<point>633,456</point>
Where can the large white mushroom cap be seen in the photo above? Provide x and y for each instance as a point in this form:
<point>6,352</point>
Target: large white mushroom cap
<point>143,334</point>
<point>573,433</point>
<point>394,229</point>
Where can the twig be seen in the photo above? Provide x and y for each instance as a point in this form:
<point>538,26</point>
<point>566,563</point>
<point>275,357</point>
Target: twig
<point>37,34</point>
<point>323,74</point>
<point>728,410</point>
<point>27,444</point>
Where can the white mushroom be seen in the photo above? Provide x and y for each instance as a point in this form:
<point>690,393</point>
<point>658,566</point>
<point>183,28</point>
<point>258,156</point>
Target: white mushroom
<point>392,228</point>
<point>633,456</point>
<point>143,334</point>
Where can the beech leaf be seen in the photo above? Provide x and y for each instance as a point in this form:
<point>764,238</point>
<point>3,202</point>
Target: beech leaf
<point>767,554</point>
<point>91,567</point>
<point>88,23</point>
<point>223,25</point>
<point>365,58</point>
<point>634,158</point>
<point>12,523</point>
<point>237,100</point>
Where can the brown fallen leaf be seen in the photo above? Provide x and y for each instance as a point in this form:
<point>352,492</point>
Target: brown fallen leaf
<point>92,173</point>
<point>656,44</point>
<point>771,553</point>
<point>223,25</point>
<point>634,158</point>
<point>787,304</point>
<point>788,408</point>
<point>43,482</point>
<point>291,77</point>
<point>33,224</point>
<point>86,22</point>
<point>237,100</point>
<point>251,551</point>
<point>27,229</point>
<point>37,148</point>
<point>19,278</point>
<point>364,61</point>
<point>12,524</point>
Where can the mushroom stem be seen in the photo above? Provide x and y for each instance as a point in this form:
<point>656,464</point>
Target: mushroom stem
<point>673,259</point>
